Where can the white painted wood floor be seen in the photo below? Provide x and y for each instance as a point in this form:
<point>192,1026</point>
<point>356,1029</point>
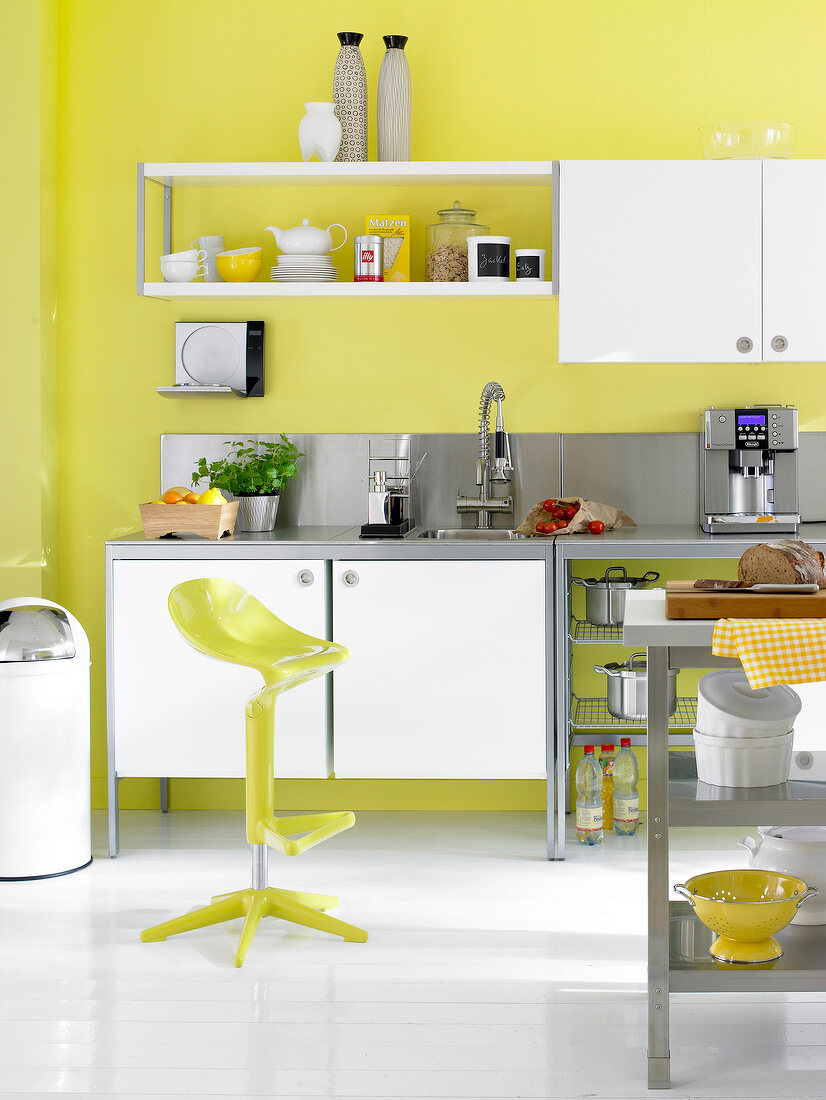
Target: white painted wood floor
<point>489,973</point>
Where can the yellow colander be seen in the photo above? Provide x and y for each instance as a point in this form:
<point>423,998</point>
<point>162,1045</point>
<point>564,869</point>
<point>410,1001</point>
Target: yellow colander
<point>745,908</point>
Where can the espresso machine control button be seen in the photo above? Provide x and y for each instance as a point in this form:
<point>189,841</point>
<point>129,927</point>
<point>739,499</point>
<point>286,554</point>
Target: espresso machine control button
<point>779,343</point>
<point>744,345</point>
<point>722,419</point>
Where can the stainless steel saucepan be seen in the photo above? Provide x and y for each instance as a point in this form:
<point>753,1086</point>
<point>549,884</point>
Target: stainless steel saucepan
<point>605,598</point>
<point>628,687</point>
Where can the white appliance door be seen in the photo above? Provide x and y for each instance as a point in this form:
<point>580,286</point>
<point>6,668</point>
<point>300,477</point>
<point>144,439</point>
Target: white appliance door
<point>660,262</point>
<point>794,260</point>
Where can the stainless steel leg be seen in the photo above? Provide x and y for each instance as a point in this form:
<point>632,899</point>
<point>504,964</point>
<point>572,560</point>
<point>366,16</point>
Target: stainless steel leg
<point>550,711</point>
<point>562,582</point>
<point>164,795</point>
<point>659,1071</point>
<point>112,815</point>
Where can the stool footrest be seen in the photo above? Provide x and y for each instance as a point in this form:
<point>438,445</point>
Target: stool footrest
<point>278,831</point>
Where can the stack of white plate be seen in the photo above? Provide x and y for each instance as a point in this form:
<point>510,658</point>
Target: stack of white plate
<point>300,269</point>
<point>744,735</point>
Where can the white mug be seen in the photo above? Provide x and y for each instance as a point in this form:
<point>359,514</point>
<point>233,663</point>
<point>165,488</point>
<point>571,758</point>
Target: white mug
<point>212,245</point>
<point>181,271</point>
<point>530,263</point>
<point>488,259</point>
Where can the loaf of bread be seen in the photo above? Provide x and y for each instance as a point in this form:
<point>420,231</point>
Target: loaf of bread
<point>788,561</point>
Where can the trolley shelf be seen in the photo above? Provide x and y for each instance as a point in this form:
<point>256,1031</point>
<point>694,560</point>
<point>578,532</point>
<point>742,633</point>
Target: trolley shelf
<point>593,714</point>
<point>691,802</point>
<point>585,633</point>
<point>692,970</point>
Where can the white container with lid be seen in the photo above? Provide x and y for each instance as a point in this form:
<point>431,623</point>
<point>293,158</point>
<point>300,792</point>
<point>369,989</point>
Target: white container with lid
<point>794,850</point>
<point>743,761</point>
<point>728,707</point>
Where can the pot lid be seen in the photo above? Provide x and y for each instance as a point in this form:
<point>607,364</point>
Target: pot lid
<point>795,834</point>
<point>728,690</point>
<point>35,633</point>
<point>616,577</point>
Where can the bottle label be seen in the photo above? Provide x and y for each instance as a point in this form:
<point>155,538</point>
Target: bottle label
<point>626,808</point>
<point>589,819</point>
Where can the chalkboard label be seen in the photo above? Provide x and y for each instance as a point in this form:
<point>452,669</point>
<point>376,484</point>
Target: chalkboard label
<point>493,261</point>
<point>527,267</point>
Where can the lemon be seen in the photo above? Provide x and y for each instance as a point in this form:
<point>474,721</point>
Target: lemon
<point>212,496</point>
<point>159,502</point>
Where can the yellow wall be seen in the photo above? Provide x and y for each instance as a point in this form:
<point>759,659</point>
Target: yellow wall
<point>28,197</point>
<point>226,80</point>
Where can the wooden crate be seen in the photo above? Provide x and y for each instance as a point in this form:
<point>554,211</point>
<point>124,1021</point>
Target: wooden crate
<point>210,521</point>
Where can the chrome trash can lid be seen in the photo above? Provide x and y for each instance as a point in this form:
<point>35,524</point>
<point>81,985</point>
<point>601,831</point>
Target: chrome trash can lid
<point>35,633</point>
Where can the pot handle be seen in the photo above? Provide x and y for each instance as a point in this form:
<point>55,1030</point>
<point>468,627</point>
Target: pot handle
<point>607,671</point>
<point>620,569</point>
<point>749,843</point>
<point>337,225</point>
<point>580,580</point>
<point>650,577</point>
<point>681,888</point>
<point>810,892</point>
<point>633,658</point>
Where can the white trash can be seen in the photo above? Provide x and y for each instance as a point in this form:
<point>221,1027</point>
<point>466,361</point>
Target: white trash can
<point>45,795</point>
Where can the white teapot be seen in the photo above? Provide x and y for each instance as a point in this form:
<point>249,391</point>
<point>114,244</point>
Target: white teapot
<point>306,239</point>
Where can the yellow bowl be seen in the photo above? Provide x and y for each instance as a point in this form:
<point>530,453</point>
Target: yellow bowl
<point>745,908</point>
<point>239,265</point>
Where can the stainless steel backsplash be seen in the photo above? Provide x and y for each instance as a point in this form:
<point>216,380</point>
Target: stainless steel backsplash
<point>652,477</point>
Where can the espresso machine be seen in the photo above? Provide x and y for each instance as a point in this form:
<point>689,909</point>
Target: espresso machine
<point>748,470</point>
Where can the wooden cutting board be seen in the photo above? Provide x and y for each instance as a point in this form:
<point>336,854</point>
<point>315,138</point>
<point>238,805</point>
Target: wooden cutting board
<point>684,601</point>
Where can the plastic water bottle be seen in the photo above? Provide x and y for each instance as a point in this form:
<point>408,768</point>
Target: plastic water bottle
<point>606,762</point>
<point>589,799</point>
<point>626,794</point>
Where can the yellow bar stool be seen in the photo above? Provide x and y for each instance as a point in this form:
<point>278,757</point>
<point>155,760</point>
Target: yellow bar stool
<point>222,620</point>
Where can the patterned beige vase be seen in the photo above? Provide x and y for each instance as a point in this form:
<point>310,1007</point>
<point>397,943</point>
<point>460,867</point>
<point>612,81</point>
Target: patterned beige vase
<point>350,97</point>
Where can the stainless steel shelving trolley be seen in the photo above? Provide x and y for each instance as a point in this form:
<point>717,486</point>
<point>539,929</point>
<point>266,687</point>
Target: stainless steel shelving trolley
<point>678,959</point>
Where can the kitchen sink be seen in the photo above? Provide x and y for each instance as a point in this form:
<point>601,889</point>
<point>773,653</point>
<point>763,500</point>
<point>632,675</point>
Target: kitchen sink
<point>469,534</point>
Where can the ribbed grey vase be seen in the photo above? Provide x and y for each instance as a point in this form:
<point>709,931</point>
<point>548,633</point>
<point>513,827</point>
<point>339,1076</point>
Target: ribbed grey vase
<point>394,102</point>
<point>350,97</point>
<point>257,512</point>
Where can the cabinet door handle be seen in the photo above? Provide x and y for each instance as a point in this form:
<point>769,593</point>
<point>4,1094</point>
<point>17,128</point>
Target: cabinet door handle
<point>744,345</point>
<point>779,343</point>
<point>306,577</point>
<point>350,578</point>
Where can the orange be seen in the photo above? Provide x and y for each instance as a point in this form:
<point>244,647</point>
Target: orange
<point>191,498</point>
<point>172,496</point>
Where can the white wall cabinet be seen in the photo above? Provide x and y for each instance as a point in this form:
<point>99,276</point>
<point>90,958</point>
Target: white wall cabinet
<point>794,260</point>
<point>660,261</point>
<point>447,676</point>
<point>176,712</point>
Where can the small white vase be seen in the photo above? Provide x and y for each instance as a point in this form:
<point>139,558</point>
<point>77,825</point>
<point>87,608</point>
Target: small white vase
<point>319,132</point>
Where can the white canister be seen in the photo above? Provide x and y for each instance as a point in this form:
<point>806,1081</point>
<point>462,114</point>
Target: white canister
<point>488,259</point>
<point>529,263</point>
<point>794,850</point>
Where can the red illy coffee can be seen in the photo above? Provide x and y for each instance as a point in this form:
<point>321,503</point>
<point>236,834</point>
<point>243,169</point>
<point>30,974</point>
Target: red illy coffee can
<point>367,267</point>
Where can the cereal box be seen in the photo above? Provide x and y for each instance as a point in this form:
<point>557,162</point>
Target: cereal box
<point>395,229</point>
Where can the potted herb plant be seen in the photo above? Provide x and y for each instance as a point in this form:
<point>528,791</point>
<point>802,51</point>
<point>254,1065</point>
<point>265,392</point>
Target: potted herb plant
<point>255,473</point>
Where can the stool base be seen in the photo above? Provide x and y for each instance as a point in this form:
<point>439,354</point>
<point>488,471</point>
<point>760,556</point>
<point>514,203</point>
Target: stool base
<point>253,905</point>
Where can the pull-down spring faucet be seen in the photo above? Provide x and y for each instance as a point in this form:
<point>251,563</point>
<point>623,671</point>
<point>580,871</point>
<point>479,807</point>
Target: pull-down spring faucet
<point>487,472</point>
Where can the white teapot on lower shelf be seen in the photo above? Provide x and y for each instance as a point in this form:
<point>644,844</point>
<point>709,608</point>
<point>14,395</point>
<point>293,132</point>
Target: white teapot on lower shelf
<point>306,239</point>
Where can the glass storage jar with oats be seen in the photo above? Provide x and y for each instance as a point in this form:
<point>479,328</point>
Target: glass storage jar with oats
<point>446,244</point>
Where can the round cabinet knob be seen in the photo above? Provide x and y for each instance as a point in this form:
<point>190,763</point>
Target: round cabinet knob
<point>779,343</point>
<point>350,578</point>
<point>744,345</point>
<point>306,577</point>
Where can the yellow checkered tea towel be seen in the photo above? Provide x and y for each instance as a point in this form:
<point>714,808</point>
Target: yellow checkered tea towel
<point>774,651</point>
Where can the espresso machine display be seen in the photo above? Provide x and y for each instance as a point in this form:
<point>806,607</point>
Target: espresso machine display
<point>748,470</point>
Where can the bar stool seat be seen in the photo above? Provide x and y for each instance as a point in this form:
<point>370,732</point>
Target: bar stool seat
<point>222,620</point>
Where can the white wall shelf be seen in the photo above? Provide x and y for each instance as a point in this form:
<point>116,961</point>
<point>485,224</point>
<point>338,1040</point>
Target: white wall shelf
<point>522,288</point>
<point>507,173</point>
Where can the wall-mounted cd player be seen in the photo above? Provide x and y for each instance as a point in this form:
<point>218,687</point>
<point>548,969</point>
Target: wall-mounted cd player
<point>218,357</point>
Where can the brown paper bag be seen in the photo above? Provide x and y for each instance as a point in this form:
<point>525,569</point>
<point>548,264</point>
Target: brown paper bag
<point>587,510</point>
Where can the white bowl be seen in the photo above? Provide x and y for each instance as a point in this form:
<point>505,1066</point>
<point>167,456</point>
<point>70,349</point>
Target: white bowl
<point>743,761</point>
<point>793,850</point>
<point>175,257</point>
<point>727,706</point>
<point>181,271</point>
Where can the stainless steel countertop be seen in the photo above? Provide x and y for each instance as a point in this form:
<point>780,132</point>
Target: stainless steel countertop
<point>674,540</point>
